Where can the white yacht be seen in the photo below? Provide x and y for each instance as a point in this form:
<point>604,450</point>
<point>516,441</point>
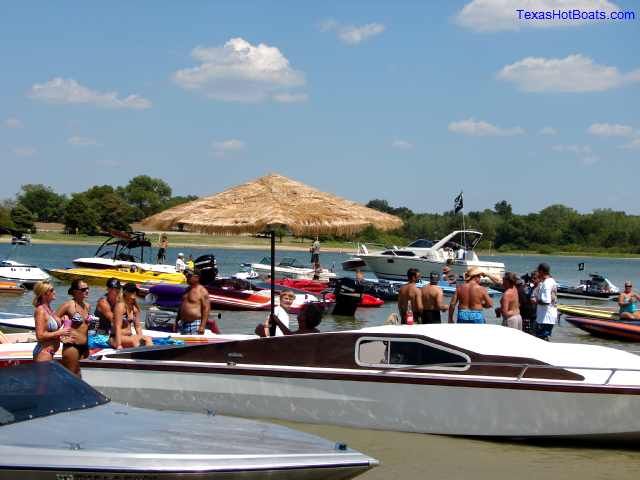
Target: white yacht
<point>21,273</point>
<point>455,250</point>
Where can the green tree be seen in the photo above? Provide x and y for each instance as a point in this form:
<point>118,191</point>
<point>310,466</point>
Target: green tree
<point>5,214</point>
<point>503,209</point>
<point>113,213</point>
<point>43,202</point>
<point>23,219</point>
<point>79,216</point>
<point>179,200</point>
<point>146,195</point>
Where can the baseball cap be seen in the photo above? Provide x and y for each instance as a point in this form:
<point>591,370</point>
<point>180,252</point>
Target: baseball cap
<point>130,287</point>
<point>114,283</point>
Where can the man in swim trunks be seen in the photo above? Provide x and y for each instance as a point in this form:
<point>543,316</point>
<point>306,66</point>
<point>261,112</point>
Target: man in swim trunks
<point>470,298</point>
<point>432,300</point>
<point>194,309</point>
<point>410,294</point>
<point>509,304</point>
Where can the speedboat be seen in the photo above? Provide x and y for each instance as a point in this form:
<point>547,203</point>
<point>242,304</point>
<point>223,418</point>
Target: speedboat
<point>589,312</point>
<point>596,287</point>
<point>24,239</point>
<point>626,330</point>
<point>123,249</point>
<point>21,273</point>
<point>453,379</point>
<point>99,276</point>
<point>289,267</point>
<point>455,250</point>
<point>11,287</point>
<point>53,425</point>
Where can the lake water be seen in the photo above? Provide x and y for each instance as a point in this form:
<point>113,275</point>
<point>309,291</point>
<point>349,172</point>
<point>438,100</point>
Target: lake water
<point>403,455</point>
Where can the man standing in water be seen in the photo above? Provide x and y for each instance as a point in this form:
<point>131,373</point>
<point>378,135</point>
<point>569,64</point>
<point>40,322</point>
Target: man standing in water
<point>509,304</point>
<point>546,298</point>
<point>410,294</point>
<point>432,300</point>
<point>471,298</point>
<point>194,309</point>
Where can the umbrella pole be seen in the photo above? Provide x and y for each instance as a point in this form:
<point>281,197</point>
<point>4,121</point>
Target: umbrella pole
<point>272,327</point>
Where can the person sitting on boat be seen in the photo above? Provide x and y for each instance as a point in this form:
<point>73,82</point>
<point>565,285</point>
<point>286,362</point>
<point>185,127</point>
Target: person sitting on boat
<point>509,307</point>
<point>546,299</point>
<point>190,263</point>
<point>282,312</point>
<point>410,297</point>
<point>432,300</point>
<point>76,313</point>
<point>106,305</point>
<point>126,314</point>
<point>471,298</point>
<point>628,301</point>
<point>180,265</point>
<point>49,327</point>
<point>309,318</point>
<point>194,309</point>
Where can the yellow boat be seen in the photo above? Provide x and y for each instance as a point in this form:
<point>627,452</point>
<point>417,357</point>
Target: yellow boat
<point>99,276</point>
<point>588,312</point>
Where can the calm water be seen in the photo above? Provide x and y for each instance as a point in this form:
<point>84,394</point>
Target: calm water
<point>410,455</point>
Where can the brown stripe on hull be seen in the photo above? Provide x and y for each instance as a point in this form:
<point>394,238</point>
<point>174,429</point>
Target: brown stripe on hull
<point>361,377</point>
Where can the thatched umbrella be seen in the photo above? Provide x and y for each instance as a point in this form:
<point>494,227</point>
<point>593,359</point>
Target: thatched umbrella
<point>267,202</point>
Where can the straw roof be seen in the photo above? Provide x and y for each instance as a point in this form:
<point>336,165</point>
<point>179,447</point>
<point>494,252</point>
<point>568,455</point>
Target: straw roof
<point>272,200</point>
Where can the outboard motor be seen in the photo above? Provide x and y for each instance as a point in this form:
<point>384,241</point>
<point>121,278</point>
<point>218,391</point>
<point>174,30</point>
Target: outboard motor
<point>347,297</point>
<point>208,268</point>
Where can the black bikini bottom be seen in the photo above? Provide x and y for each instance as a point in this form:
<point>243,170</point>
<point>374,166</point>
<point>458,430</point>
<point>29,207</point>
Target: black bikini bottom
<point>83,350</point>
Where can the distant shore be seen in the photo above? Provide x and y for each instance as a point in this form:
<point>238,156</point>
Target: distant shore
<point>288,243</point>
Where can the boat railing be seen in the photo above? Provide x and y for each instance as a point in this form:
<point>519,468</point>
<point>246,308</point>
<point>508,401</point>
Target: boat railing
<point>524,367</point>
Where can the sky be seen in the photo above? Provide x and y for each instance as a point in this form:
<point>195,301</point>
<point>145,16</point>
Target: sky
<point>408,101</point>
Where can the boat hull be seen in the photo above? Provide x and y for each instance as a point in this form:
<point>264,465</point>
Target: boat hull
<point>400,402</point>
<point>100,276</point>
<point>614,330</point>
<point>388,267</point>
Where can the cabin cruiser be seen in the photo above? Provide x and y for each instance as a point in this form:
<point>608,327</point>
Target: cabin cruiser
<point>289,267</point>
<point>455,250</point>
<point>53,425</point>
<point>123,249</point>
<point>21,273</point>
<point>454,379</point>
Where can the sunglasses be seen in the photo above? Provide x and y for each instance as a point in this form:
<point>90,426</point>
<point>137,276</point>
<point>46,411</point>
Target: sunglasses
<point>83,290</point>
<point>51,290</point>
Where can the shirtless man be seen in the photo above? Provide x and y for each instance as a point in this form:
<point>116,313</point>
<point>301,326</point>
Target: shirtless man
<point>194,309</point>
<point>509,303</point>
<point>471,298</point>
<point>432,303</point>
<point>410,293</point>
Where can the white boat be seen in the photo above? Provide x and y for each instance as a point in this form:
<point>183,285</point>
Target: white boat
<point>454,379</point>
<point>455,250</point>
<point>21,273</point>
<point>289,267</point>
<point>55,426</point>
<point>123,249</point>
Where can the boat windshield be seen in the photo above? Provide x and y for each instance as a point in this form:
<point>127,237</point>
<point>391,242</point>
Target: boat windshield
<point>420,243</point>
<point>40,389</point>
<point>289,262</point>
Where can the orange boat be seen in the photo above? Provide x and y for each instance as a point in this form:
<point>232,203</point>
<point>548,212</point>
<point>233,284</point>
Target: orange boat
<point>11,287</point>
<point>612,329</point>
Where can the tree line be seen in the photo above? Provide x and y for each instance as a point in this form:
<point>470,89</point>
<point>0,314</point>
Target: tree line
<point>554,228</point>
<point>99,208</point>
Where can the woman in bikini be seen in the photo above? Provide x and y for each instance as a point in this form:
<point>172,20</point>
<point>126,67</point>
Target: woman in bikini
<point>125,315</point>
<point>48,324</point>
<point>76,313</point>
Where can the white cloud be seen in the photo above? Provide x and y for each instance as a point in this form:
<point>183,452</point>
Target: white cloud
<point>583,152</point>
<point>633,144</point>
<point>224,147</point>
<point>351,34</point>
<point>402,144</point>
<point>13,123</point>
<point>610,130</point>
<point>25,151</point>
<point>482,129</point>
<point>239,72</point>
<point>548,131</point>
<point>77,141</point>
<point>497,15</point>
<point>576,73</point>
<point>290,97</point>
<point>69,91</point>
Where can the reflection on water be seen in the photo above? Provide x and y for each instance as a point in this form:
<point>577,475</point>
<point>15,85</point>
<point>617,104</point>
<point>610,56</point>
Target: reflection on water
<point>405,455</point>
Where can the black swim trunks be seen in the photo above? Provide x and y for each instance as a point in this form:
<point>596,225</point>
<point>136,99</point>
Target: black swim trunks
<point>431,316</point>
<point>83,350</point>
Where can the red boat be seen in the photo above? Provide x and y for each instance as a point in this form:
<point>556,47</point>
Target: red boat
<point>316,287</point>
<point>611,329</point>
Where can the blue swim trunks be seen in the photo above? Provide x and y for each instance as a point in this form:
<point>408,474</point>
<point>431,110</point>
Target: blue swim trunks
<point>190,328</point>
<point>470,316</point>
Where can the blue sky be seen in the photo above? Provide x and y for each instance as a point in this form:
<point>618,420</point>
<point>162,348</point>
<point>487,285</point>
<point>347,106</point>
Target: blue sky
<point>410,101</point>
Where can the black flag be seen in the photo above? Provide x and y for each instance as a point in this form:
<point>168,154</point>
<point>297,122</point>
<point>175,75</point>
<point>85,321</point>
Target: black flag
<point>458,204</point>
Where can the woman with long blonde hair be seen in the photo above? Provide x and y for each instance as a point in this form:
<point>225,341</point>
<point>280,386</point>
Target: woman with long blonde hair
<point>49,327</point>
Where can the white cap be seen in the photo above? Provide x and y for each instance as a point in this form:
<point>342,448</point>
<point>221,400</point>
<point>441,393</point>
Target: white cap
<point>181,254</point>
